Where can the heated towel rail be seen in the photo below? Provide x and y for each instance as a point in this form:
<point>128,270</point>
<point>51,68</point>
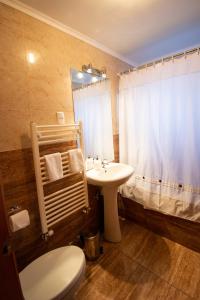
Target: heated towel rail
<point>57,205</point>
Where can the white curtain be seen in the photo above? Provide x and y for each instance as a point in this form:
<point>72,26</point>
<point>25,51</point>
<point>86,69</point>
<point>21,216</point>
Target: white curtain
<point>159,127</point>
<point>92,106</point>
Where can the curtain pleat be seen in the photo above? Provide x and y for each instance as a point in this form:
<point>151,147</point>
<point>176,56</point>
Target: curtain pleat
<point>159,127</point>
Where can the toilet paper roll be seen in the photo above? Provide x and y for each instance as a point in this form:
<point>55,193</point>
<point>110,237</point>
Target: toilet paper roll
<point>19,220</point>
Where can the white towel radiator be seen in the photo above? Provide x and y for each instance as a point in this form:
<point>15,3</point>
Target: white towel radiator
<point>57,205</point>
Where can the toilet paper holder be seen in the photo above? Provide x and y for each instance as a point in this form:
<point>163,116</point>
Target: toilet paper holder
<point>14,209</point>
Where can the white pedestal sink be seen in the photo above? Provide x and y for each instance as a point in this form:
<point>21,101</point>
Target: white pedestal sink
<point>110,178</point>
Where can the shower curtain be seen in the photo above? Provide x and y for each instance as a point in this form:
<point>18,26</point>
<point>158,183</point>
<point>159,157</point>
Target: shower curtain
<point>159,129</point>
<point>92,106</point>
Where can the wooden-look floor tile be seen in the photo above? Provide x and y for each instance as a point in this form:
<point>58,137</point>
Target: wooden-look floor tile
<point>172,262</point>
<point>134,238</point>
<point>116,276</point>
<point>152,287</point>
<point>181,231</point>
<point>109,277</point>
<point>143,266</point>
<point>157,254</point>
<point>187,274</point>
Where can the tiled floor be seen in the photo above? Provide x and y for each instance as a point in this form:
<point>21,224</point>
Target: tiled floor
<point>143,266</point>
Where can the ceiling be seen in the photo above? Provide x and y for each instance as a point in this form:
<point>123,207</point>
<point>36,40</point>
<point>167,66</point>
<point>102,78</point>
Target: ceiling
<point>138,31</point>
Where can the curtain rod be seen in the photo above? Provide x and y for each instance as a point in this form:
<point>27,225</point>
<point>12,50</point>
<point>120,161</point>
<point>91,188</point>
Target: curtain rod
<point>161,60</point>
<point>89,84</point>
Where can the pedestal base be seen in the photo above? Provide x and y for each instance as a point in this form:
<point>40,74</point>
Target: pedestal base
<point>112,232</point>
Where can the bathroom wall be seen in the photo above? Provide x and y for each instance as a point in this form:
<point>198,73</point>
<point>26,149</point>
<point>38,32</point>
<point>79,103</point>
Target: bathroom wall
<point>179,230</point>
<point>35,92</point>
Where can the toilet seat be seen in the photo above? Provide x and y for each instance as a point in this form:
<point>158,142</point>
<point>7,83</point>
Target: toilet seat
<point>53,275</point>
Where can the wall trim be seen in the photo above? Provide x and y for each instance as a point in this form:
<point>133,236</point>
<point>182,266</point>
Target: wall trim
<point>52,22</point>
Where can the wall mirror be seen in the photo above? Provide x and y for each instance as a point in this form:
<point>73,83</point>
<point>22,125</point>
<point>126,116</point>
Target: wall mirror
<point>92,106</point>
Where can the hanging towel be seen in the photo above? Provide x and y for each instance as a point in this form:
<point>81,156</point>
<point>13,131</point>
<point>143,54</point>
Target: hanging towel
<point>76,160</point>
<point>54,166</point>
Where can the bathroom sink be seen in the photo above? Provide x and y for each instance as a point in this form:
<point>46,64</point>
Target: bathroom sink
<point>114,174</point>
<point>110,178</point>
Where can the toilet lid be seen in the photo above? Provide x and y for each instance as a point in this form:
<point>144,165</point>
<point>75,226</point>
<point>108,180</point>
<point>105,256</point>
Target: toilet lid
<point>52,274</point>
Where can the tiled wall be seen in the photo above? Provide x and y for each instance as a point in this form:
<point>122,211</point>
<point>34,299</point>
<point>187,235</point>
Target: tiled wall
<point>181,231</point>
<point>35,92</point>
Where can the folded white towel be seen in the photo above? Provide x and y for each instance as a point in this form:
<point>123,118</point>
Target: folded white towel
<point>54,166</point>
<point>76,160</point>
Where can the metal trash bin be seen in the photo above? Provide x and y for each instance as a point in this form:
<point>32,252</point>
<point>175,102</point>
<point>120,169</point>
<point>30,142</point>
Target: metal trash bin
<point>92,247</point>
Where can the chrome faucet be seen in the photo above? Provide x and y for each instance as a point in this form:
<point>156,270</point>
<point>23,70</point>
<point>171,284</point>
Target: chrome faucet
<point>104,164</point>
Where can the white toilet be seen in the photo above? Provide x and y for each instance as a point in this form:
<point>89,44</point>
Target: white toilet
<point>54,275</point>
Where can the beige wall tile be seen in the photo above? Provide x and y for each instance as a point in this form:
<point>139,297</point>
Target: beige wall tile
<point>14,129</point>
<point>49,116</point>
<point>35,92</point>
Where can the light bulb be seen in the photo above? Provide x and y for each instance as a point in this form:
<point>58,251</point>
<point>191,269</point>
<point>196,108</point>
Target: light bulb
<point>103,75</point>
<point>89,70</point>
<point>79,75</point>
<point>94,79</point>
<point>31,58</point>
